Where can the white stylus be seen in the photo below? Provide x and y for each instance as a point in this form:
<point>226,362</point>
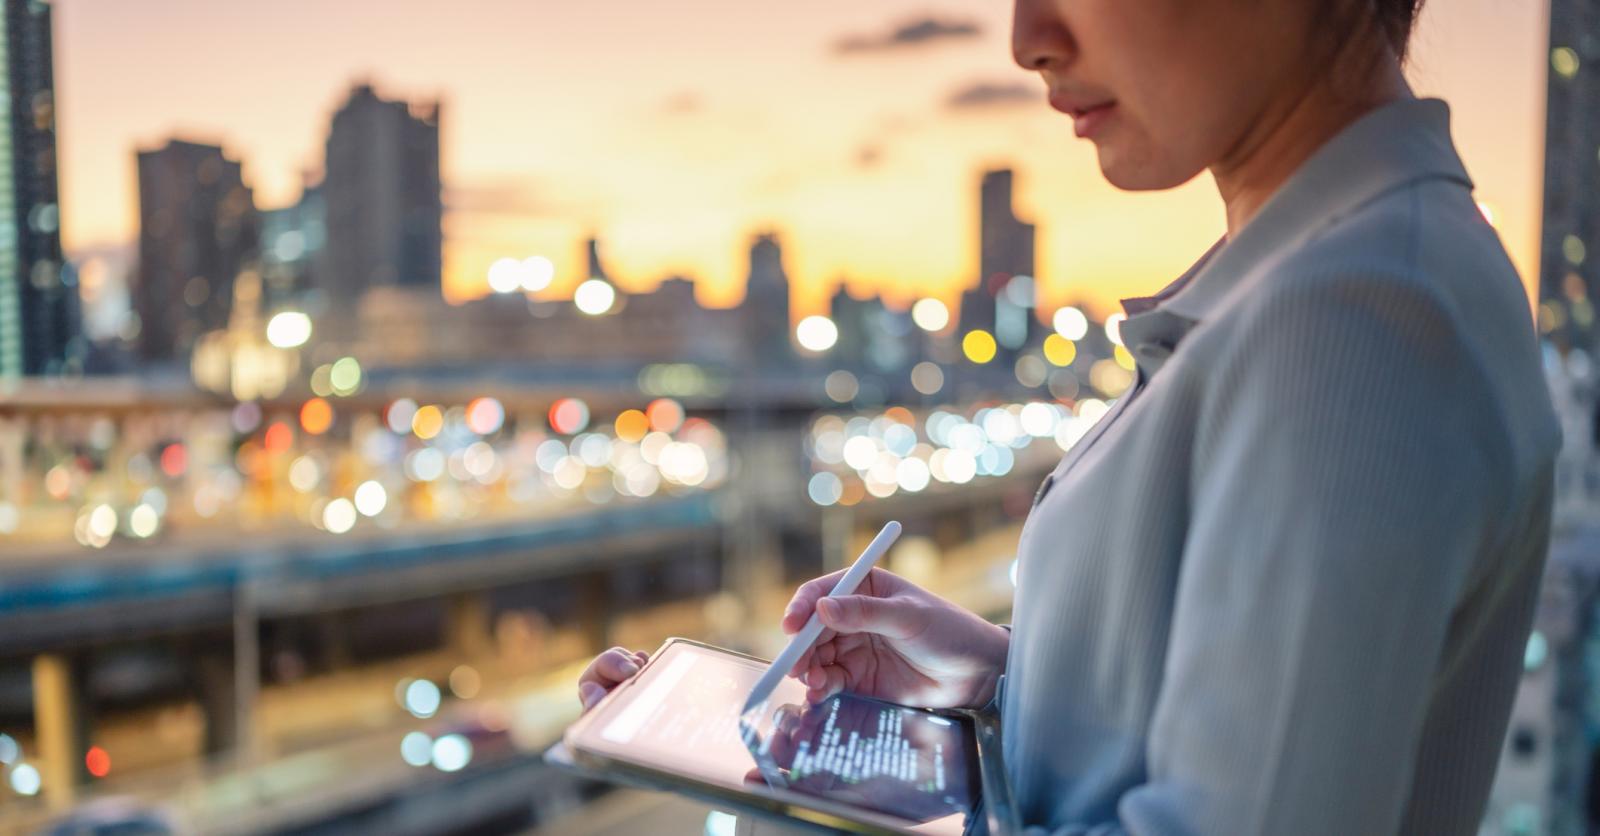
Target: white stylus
<point>808,634</point>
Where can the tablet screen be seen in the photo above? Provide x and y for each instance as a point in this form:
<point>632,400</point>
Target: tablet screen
<point>682,716</point>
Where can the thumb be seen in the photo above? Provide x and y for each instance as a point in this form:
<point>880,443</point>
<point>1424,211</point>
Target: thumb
<point>867,614</point>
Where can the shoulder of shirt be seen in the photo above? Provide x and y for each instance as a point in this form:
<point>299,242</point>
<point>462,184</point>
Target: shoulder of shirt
<point>1421,248</point>
<point>1420,266</point>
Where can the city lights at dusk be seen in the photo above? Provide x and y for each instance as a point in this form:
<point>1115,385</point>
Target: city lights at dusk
<point>522,418</point>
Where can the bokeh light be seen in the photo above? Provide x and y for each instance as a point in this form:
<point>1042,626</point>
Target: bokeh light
<point>841,386</point>
<point>174,460</point>
<point>345,376</point>
<point>930,314</point>
<point>665,415</point>
<point>25,779</point>
<point>370,498</point>
<point>416,748</point>
<point>816,333</point>
<point>1114,327</point>
<point>485,416</point>
<point>1070,323</point>
<point>278,437</point>
<point>452,753</point>
<point>1059,350</point>
<point>927,377</point>
<point>631,425</point>
<point>825,488</point>
<point>505,275</point>
<point>289,329</point>
<point>568,416</point>
<point>537,273</point>
<point>594,297</point>
<point>97,761</point>
<point>465,681</point>
<point>339,516</point>
<point>422,698</point>
<point>978,346</point>
<point>316,416</point>
<point>427,421</point>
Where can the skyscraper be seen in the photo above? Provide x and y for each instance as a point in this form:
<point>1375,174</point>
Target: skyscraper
<point>1569,273</point>
<point>198,228</point>
<point>39,309</point>
<point>1005,252</point>
<point>766,304</point>
<point>382,198</point>
<point>292,239</point>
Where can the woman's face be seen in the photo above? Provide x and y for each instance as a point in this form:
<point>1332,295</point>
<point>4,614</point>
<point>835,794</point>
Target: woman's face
<point>1165,88</point>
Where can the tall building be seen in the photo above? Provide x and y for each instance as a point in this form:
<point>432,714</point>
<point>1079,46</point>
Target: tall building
<point>1569,256</point>
<point>766,304</point>
<point>292,239</point>
<point>198,228</point>
<point>39,309</point>
<point>871,337</point>
<point>999,303</point>
<point>382,198</point>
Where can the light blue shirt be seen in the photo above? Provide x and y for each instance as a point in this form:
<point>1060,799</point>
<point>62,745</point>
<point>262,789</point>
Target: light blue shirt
<point>1284,587</point>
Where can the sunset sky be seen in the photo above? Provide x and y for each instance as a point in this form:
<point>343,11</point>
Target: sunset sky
<point>676,130</point>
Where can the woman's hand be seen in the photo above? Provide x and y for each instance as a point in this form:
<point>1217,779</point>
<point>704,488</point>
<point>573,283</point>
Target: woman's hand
<point>607,671</point>
<point>896,641</point>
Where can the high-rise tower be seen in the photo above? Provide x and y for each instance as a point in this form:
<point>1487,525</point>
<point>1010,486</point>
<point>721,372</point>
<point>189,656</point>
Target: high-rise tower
<point>381,197</point>
<point>1569,255</point>
<point>766,303</point>
<point>39,310</point>
<point>198,228</point>
<point>1003,301</point>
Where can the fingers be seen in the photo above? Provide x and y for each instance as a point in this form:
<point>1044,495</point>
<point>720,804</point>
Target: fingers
<point>823,652</point>
<point>805,600</point>
<point>892,617</point>
<point>822,683</point>
<point>608,670</point>
<point>877,584</point>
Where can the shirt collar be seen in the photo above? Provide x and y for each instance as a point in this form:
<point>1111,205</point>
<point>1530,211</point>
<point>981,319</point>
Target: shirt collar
<point>1393,145</point>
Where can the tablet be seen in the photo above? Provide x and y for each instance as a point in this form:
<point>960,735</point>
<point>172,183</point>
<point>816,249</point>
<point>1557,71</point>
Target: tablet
<point>849,762</point>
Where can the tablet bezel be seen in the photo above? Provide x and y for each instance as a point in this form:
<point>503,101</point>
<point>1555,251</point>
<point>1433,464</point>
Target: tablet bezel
<point>763,800</point>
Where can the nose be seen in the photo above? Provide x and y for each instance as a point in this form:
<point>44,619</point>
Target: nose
<point>1039,38</point>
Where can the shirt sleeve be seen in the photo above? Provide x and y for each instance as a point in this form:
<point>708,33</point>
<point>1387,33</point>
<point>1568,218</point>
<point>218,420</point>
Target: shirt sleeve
<point>1342,480</point>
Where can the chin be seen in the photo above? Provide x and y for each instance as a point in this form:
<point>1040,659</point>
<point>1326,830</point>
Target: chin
<point>1141,172</point>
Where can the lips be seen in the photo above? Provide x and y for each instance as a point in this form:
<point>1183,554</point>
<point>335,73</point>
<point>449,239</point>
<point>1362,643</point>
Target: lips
<point>1075,106</point>
<point>1087,114</point>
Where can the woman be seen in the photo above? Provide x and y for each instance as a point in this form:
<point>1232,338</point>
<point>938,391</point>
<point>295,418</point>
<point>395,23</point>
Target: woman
<point>1284,587</point>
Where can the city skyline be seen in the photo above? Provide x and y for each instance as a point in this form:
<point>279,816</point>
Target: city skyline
<point>569,122</point>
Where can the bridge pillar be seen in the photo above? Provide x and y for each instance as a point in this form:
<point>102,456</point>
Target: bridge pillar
<point>217,681</point>
<point>60,723</point>
<point>467,625</point>
<point>246,673</point>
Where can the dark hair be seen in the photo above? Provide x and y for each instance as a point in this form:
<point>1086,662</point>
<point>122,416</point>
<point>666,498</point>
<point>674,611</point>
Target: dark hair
<point>1394,19</point>
<point>1349,36</point>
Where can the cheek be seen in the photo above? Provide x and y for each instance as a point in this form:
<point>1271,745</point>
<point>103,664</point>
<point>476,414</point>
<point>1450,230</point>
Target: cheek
<point>1175,69</point>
